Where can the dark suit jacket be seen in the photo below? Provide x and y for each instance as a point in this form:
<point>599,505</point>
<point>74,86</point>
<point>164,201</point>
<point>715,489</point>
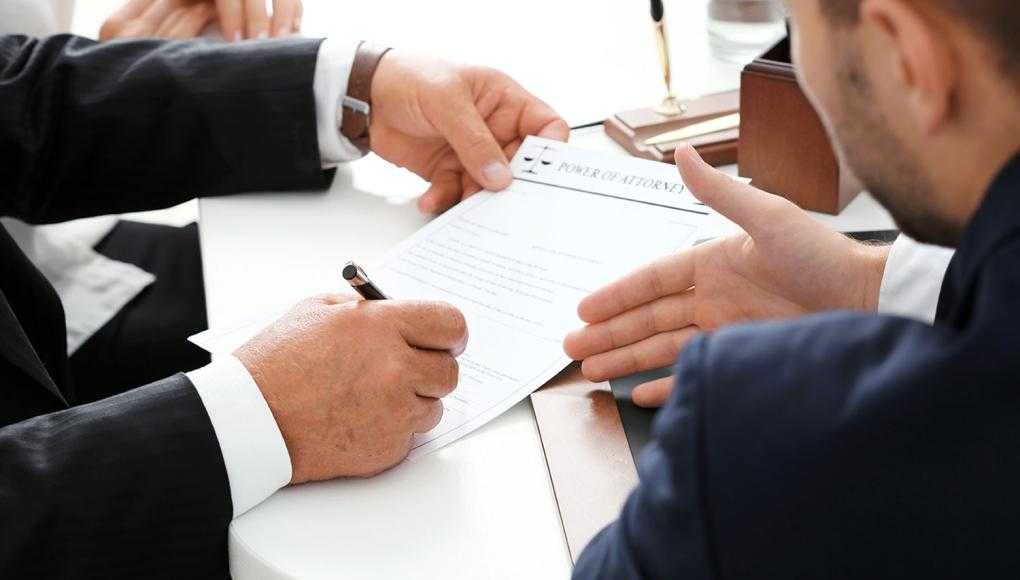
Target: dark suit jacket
<point>843,445</point>
<point>132,486</point>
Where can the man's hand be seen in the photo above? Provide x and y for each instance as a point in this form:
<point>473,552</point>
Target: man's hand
<point>182,19</point>
<point>349,382</point>
<point>785,265</point>
<point>455,126</point>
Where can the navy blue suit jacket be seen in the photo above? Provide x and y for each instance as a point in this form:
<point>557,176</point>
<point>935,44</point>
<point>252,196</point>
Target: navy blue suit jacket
<point>843,445</point>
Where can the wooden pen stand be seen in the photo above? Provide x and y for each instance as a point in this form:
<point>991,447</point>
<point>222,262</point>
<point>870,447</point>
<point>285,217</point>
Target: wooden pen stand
<point>632,128</point>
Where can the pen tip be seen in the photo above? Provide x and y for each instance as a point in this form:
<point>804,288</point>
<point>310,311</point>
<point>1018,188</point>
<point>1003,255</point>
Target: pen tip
<point>350,271</point>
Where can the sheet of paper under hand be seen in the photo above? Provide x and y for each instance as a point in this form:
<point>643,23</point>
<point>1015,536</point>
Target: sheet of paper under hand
<point>517,263</point>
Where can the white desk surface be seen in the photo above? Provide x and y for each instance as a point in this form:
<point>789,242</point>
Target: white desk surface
<point>484,506</point>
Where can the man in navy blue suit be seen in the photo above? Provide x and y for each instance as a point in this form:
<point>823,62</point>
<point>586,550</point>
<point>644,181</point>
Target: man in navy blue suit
<point>826,440</point>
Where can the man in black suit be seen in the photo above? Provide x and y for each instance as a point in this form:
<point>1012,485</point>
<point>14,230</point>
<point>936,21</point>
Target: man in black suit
<point>841,444</point>
<point>144,483</point>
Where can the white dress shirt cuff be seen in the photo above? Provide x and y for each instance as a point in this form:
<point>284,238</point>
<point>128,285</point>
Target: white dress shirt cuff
<point>913,279</point>
<point>332,71</point>
<point>254,452</point>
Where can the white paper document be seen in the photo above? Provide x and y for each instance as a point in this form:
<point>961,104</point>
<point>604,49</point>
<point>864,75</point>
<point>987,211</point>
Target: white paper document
<point>517,263</point>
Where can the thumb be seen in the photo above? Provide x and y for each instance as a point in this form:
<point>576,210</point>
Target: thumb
<point>749,207</point>
<point>472,141</point>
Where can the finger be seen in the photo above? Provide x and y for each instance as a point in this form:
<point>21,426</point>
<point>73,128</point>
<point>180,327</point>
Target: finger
<point>137,28</point>
<point>673,312</point>
<point>665,276</point>
<point>132,9</point>
<point>540,119</point>
<point>429,414</point>
<point>120,21</point>
<point>749,207</point>
<point>434,325</point>
<point>256,19</point>
<point>168,24</point>
<point>468,186</point>
<point>231,17</point>
<point>653,394</point>
<point>443,193</point>
<point>298,15</point>
<point>284,14</point>
<point>192,22</point>
<point>463,127</point>
<point>433,373</point>
<point>157,13</point>
<point>651,353</point>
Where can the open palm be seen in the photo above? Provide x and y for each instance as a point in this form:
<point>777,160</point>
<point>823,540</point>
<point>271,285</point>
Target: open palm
<point>784,264</point>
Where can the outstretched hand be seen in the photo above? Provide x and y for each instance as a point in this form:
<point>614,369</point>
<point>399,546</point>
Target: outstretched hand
<point>784,264</point>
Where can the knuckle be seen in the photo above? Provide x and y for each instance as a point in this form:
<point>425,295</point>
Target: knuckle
<point>445,317</point>
<point>312,301</point>
<point>477,140</point>
<point>648,320</point>
<point>660,316</point>
<point>631,361</point>
<point>612,335</point>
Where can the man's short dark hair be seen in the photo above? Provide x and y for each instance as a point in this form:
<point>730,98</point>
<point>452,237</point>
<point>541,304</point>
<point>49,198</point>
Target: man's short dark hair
<point>998,20</point>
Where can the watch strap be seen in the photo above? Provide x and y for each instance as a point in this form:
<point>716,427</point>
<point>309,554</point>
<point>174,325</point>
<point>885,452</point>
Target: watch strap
<point>358,101</point>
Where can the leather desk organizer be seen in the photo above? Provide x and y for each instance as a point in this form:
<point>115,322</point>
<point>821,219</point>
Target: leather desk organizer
<point>587,452</point>
<point>784,148</point>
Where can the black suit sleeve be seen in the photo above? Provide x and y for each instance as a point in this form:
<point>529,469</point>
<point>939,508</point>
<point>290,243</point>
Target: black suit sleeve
<point>132,486</point>
<point>89,129</point>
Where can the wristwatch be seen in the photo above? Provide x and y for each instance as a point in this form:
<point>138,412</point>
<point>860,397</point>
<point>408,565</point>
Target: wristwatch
<point>357,103</point>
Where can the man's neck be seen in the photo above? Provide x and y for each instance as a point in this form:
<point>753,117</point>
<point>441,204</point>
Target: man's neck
<point>964,170</point>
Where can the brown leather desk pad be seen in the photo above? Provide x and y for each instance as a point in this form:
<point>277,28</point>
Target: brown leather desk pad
<point>588,451</point>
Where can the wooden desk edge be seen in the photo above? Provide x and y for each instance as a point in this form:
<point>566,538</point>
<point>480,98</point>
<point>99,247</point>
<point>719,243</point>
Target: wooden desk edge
<point>587,453</point>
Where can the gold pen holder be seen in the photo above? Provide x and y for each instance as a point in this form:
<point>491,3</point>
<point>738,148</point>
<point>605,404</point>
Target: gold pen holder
<point>671,107</point>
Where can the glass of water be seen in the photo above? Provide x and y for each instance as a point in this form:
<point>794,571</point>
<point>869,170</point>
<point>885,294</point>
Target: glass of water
<point>741,30</point>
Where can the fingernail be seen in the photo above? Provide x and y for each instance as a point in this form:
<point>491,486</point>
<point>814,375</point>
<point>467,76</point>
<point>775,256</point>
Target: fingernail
<point>262,35</point>
<point>497,174</point>
<point>237,36</point>
<point>683,150</point>
<point>284,30</point>
<point>297,24</point>
<point>557,131</point>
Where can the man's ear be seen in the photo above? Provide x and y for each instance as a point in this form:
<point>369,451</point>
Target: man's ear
<point>922,57</point>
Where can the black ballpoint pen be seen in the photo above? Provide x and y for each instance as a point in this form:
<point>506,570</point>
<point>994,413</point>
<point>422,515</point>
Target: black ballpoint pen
<point>358,280</point>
